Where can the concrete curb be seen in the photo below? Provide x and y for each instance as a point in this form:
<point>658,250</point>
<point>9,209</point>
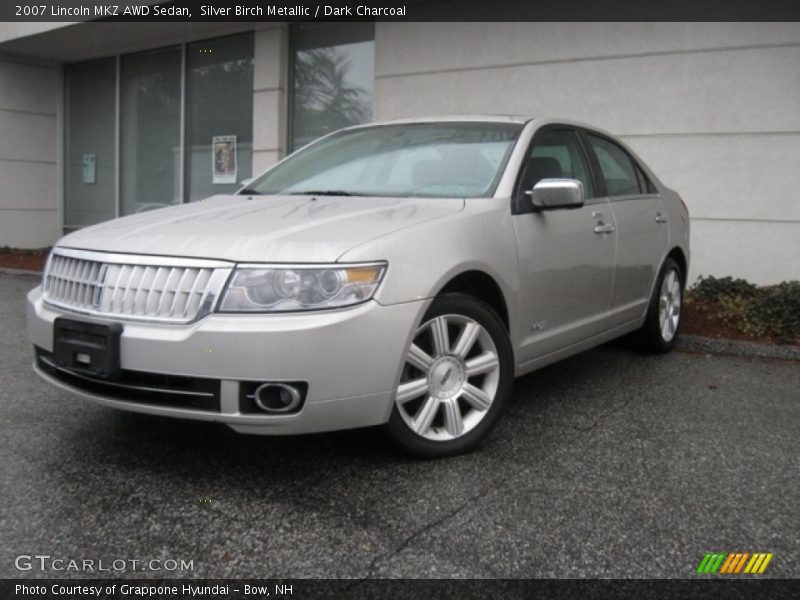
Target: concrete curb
<point>738,348</point>
<point>25,272</point>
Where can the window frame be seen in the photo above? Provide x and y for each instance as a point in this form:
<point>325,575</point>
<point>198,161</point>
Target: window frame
<point>639,171</point>
<point>518,207</point>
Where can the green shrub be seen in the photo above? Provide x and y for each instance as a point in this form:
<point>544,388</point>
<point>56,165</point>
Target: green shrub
<point>770,310</point>
<point>777,310</point>
<point>25,251</point>
<point>714,289</point>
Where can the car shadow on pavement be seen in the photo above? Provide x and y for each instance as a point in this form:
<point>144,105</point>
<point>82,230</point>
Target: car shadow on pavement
<point>186,448</point>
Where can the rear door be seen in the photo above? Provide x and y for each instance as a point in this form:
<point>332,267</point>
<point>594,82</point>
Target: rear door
<point>641,222</point>
<point>566,256</point>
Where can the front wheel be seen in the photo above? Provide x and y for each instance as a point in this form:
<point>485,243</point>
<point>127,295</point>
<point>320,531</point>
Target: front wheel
<point>659,334</point>
<point>456,377</point>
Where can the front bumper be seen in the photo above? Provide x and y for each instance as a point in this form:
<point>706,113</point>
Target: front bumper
<point>350,360</point>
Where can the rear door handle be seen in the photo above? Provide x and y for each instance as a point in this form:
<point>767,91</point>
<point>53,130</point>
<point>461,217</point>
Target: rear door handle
<point>660,218</point>
<point>604,228</point>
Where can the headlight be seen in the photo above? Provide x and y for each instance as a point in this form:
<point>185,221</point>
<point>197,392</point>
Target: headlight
<point>284,289</point>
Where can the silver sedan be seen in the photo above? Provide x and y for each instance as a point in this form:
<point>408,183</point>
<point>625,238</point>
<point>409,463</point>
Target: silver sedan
<point>398,274</point>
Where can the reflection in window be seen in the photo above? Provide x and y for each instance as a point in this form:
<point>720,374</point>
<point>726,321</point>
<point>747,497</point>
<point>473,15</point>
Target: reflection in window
<point>150,124</point>
<point>332,78</point>
<point>430,160</point>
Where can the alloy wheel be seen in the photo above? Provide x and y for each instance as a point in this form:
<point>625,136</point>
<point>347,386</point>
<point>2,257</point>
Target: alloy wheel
<point>450,378</point>
<point>669,305</point>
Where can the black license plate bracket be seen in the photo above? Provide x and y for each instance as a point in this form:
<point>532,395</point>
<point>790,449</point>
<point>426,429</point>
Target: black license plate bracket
<point>89,348</point>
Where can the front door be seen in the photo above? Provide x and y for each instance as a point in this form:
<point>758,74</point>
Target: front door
<point>566,256</point>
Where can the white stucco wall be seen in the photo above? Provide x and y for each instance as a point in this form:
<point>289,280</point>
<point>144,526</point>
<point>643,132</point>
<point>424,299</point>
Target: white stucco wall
<point>270,82</point>
<point>714,108</point>
<point>29,184</point>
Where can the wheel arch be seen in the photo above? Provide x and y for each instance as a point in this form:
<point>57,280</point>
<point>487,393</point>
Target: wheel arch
<point>677,254</point>
<point>679,257</point>
<point>479,284</point>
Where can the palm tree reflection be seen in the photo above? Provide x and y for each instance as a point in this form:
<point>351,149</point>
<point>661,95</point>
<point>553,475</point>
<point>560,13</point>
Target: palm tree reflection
<point>324,98</point>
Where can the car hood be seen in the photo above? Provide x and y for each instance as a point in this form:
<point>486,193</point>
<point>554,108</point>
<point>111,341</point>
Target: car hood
<point>261,229</point>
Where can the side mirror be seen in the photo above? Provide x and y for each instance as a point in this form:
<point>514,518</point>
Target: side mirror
<point>551,194</point>
<point>246,182</point>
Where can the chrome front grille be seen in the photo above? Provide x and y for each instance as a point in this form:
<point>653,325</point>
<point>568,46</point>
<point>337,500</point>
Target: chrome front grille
<point>130,286</point>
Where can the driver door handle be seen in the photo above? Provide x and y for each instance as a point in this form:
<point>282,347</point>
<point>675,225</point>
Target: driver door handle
<point>660,218</point>
<point>604,228</point>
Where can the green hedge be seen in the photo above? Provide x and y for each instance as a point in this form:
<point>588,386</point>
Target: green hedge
<point>26,251</point>
<point>768,310</point>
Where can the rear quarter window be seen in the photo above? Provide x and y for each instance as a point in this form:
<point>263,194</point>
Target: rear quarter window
<point>622,176</point>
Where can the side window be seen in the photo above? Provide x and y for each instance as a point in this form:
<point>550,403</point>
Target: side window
<point>619,170</point>
<point>644,182</point>
<point>556,154</point>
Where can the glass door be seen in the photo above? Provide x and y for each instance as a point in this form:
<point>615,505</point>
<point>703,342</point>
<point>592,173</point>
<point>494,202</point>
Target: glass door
<point>150,130</point>
<point>219,115</point>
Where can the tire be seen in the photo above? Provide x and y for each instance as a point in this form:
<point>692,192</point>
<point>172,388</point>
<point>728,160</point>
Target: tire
<point>659,334</point>
<point>456,378</point>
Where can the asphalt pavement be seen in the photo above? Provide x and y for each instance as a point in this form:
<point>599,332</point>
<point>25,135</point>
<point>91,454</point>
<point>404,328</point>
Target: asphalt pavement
<point>609,464</point>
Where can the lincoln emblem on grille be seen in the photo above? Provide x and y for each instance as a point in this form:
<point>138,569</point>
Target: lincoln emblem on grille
<point>101,284</point>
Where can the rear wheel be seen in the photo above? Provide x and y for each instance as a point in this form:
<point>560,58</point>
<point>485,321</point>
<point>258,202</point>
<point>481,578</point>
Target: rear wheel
<point>659,334</point>
<point>456,377</point>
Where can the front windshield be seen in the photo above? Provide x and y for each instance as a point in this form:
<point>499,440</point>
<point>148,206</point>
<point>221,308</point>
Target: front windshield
<point>435,160</point>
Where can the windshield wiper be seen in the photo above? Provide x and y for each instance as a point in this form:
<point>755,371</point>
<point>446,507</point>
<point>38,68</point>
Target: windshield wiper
<point>249,192</point>
<point>325,193</point>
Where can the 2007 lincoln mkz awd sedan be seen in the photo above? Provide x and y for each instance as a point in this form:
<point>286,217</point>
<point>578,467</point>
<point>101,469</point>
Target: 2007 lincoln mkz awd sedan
<point>398,274</point>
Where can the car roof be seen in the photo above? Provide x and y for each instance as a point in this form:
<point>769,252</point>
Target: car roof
<point>451,119</point>
<point>518,119</point>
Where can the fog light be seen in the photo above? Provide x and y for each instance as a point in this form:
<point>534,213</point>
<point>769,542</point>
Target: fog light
<point>277,398</point>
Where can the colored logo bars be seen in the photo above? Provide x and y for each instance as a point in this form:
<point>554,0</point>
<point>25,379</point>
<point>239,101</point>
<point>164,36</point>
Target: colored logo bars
<point>734,562</point>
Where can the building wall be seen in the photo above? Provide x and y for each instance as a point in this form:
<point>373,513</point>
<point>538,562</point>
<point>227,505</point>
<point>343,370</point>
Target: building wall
<point>30,195</point>
<point>270,96</point>
<point>713,108</point>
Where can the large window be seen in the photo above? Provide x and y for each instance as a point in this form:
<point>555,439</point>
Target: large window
<point>333,70</point>
<point>156,128</point>
<point>219,90</point>
<point>150,127</point>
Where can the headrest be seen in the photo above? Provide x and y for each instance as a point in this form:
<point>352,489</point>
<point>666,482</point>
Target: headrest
<point>544,167</point>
